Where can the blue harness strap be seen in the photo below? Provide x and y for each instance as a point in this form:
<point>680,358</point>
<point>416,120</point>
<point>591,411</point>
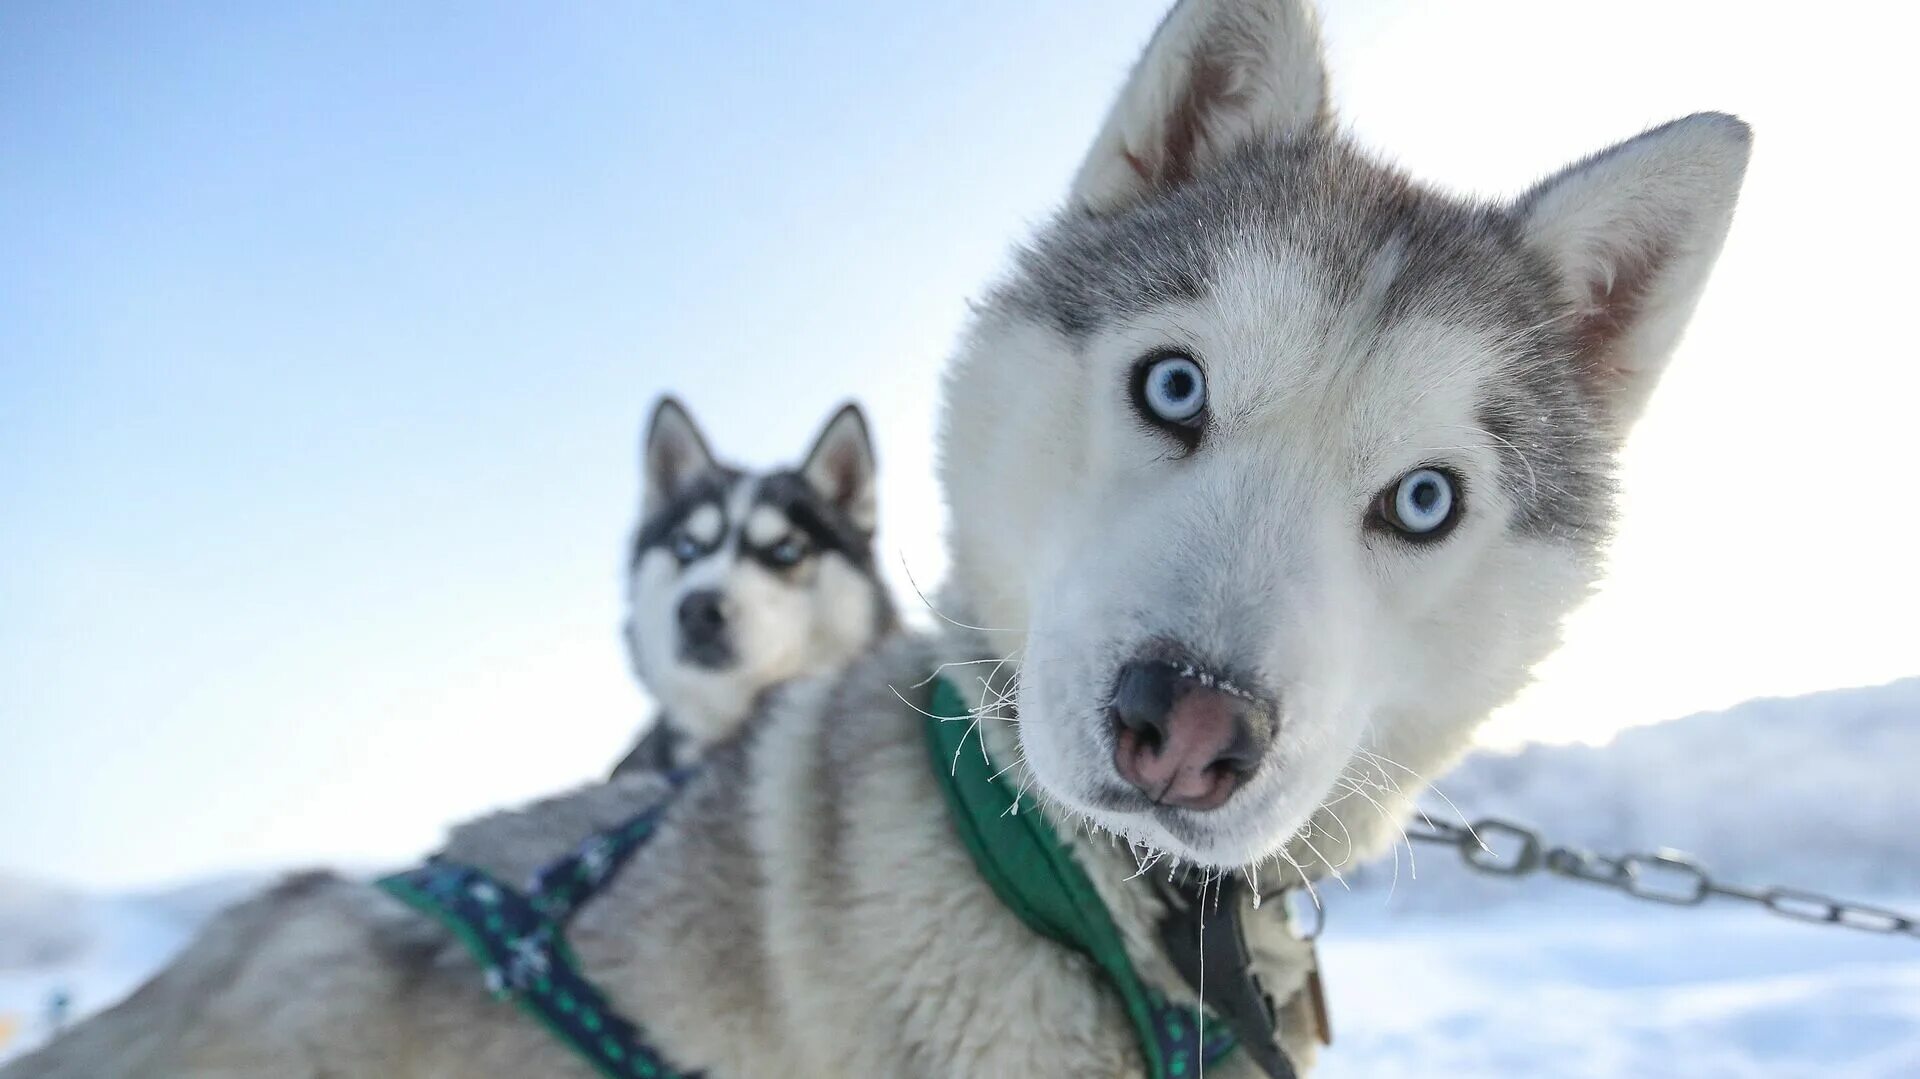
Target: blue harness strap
<point>519,939</point>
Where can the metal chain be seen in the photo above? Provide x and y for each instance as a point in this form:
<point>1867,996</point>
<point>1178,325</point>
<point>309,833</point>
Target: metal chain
<point>1505,849</point>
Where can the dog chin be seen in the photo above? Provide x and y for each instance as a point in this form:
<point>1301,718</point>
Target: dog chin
<point>1224,838</point>
<point>711,703</point>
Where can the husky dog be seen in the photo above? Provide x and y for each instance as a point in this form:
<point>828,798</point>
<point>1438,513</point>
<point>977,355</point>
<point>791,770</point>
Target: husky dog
<point>1270,470</point>
<point>739,581</point>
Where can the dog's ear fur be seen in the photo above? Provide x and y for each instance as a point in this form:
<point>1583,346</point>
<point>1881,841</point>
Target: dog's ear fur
<point>1217,73</point>
<point>1632,232</point>
<point>673,454</point>
<point>841,467</point>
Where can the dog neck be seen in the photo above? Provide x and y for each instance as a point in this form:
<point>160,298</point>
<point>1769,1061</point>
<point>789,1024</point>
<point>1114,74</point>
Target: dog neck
<point>1189,929</point>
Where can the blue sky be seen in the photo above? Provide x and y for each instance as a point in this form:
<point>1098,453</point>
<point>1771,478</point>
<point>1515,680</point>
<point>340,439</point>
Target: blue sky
<point>325,336</point>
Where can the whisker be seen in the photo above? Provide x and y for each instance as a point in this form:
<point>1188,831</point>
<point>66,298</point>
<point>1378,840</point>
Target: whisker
<point>1304,879</point>
<point>1413,867</point>
<point>1435,789</point>
<point>908,570</point>
<point>937,671</point>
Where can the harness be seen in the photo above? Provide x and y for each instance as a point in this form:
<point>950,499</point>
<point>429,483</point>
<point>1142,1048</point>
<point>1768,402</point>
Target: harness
<point>519,937</point>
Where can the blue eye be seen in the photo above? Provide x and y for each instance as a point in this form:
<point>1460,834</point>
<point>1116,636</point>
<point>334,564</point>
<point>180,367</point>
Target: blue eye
<point>685,547</point>
<point>1173,390</point>
<point>1422,505</point>
<point>786,553</point>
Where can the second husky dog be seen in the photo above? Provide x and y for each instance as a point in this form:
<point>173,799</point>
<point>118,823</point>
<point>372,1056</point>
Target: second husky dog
<point>1270,472</point>
<point>739,580</point>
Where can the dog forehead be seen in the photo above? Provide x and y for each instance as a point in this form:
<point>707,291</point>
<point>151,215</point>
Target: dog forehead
<point>1315,196</point>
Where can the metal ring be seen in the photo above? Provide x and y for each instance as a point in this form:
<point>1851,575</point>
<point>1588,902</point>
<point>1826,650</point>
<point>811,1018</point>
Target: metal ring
<point>1579,864</point>
<point>1293,919</point>
<point>1873,919</point>
<point>1671,863</point>
<point>1481,856</point>
<point>1805,906</point>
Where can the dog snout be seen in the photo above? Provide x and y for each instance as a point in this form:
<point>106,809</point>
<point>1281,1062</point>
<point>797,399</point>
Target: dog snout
<point>703,627</point>
<point>1185,737</point>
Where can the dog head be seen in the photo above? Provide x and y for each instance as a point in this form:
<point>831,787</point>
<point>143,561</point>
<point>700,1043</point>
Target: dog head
<point>1286,465</point>
<point>740,580</point>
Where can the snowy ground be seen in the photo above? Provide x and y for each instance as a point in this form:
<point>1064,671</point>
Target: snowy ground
<point>1561,984</point>
<point>1458,974</point>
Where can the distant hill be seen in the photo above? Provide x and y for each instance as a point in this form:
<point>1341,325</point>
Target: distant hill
<point>1820,791</point>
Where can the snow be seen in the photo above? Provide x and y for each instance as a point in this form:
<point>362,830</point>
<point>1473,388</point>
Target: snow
<point>1453,973</point>
<point>95,949</point>
<point>1582,983</point>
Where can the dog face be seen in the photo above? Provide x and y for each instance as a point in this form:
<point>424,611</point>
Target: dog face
<point>739,581</point>
<point>1286,466</point>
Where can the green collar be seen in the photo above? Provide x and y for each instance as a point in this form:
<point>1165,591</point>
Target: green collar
<point>1038,878</point>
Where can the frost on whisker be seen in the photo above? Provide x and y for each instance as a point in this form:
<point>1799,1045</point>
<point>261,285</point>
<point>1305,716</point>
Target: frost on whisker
<point>1430,785</point>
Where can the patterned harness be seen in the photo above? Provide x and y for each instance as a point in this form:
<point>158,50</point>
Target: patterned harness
<point>519,938</point>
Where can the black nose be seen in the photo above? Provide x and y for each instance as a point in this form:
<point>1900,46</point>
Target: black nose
<point>1184,736</point>
<point>703,627</point>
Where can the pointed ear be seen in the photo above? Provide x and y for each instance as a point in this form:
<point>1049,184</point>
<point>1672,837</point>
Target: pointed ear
<point>840,466</point>
<point>1216,74</point>
<point>674,454</point>
<point>1633,232</point>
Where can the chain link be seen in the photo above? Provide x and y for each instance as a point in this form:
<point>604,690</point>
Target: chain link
<point>1505,849</point>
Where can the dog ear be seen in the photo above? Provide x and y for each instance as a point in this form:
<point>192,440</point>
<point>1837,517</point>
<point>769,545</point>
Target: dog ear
<point>1216,74</point>
<point>840,466</point>
<point>1633,232</point>
<point>673,456</point>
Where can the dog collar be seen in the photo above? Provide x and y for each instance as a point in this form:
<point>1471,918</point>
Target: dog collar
<point>1038,878</point>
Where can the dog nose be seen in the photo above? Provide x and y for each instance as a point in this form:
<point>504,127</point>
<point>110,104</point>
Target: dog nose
<point>1185,738</point>
<point>703,616</point>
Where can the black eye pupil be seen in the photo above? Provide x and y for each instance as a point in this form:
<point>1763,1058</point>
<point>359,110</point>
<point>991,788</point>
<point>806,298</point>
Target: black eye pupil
<point>1179,384</point>
<point>1425,494</point>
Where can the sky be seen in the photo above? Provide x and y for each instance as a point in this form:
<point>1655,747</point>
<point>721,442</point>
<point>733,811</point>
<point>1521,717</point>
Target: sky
<point>326,336</point>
